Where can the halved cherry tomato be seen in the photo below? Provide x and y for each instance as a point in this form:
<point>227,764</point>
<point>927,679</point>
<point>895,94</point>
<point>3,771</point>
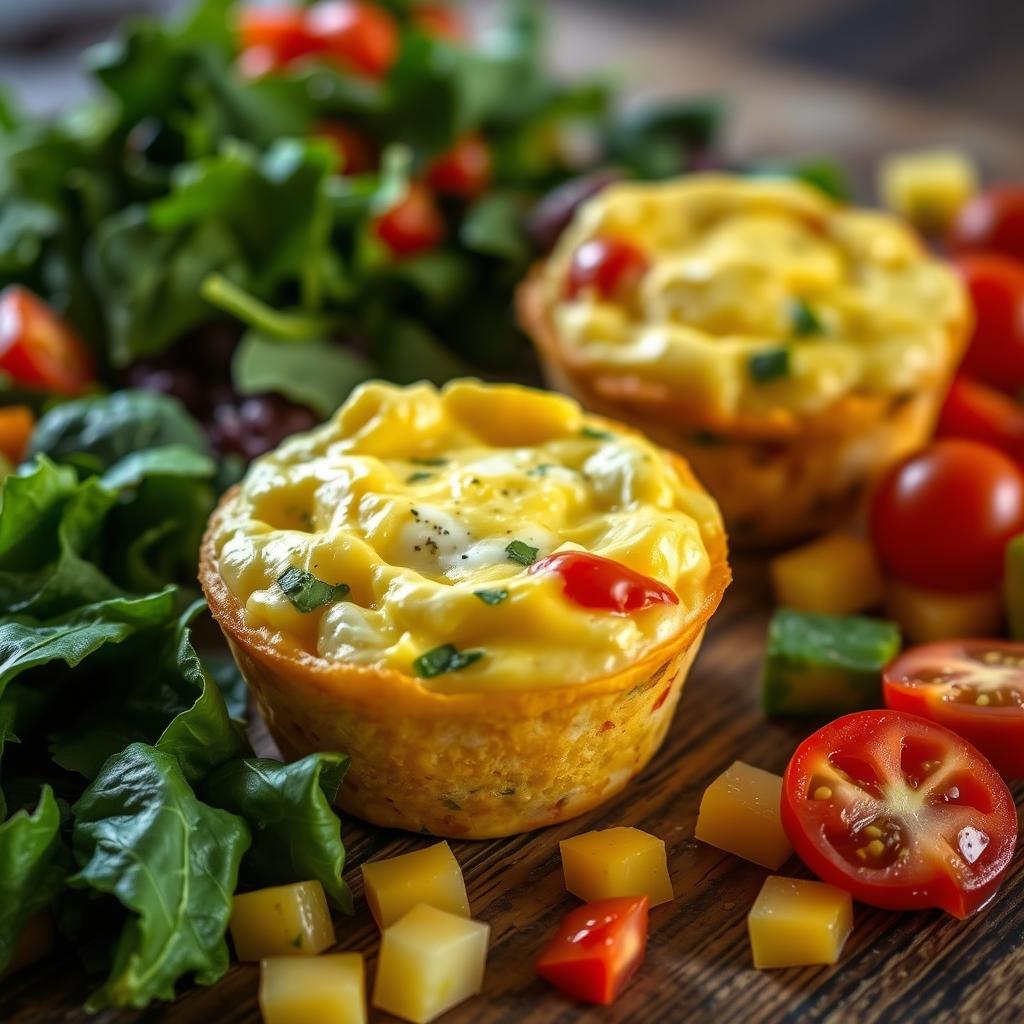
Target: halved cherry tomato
<point>996,352</point>
<point>977,412</point>
<point>900,812</point>
<point>992,221</point>
<point>413,224</point>
<point>361,36</point>
<point>279,34</point>
<point>37,349</point>
<point>601,583</point>
<point>16,423</point>
<point>609,266</point>
<point>941,519</point>
<point>597,949</point>
<point>356,151</point>
<point>465,170</point>
<point>439,20</point>
<point>974,687</point>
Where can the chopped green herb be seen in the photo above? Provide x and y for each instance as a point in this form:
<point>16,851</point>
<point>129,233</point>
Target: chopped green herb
<point>415,478</point>
<point>307,593</point>
<point>445,658</point>
<point>541,469</point>
<point>430,462</point>
<point>805,321</point>
<point>451,804</point>
<point>522,553</point>
<point>770,364</point>
<point>491,596</point>
<point>597,435</point>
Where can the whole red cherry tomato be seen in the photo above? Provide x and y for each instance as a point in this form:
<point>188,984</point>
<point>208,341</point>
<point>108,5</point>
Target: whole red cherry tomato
<point>278,34</point>
<point>601,583</point>
<point>361,36</point>
<point>464,171</point>
<point>900,812</point>
<point>977,412</point>
<point>996,352</point>
<point>992,221</point>
<point>941,519</point>
<point>608,266</point>
<point>356,151</point>
<point>414,224</point>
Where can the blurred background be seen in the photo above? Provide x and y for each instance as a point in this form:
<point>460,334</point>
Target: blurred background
<point>874,66</point>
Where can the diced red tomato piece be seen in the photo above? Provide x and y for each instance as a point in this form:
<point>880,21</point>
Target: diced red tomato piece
<point>597,949</point>
<point>465,170</point>
<point>900,812</point>
<point>355,149</point>
<point>412,225</point>
<point>37,349</point>
<point>609,266</point>
<point>361,36</point>
<point>978,412</point>
<point>592,581</point>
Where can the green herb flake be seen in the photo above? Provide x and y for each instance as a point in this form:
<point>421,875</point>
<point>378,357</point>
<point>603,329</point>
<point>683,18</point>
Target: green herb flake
<point>448,802</point>
<point>307,593</point>
<point>770,364</point>
<point>805,321</point>
<point>520,552</point>
<point>446,658</point>
<point>296,941</point>
<point>429,462</point>
<point>541,469</point>
<point>596,435</point>
<point>416,478</point>
<point>491,596</point>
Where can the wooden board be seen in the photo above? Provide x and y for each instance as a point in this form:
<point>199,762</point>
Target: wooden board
<point>923,968</point>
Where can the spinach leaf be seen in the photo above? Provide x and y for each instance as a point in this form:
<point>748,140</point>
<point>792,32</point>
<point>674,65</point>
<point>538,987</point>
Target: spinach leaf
<point>141,836</point>
<point>307,593</point>
<point>32,868</point>
<point>446,658</point>
<point>296,833</point>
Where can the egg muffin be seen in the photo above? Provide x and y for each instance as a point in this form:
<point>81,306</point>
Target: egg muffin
<point>789,346</point>
<point>488,599</point>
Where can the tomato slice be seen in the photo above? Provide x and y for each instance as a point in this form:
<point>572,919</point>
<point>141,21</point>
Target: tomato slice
<point>597,949</point>
<point>414,224</point>
<point>978,412</point>
<point>974,687</point>
<point>608,266</point>
<point>901,812</point>
<point>601,583</point>
<point>37,349</point>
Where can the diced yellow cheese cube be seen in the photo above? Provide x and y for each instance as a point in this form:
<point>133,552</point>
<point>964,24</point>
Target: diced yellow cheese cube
<point>928,187</point>
<point>313,990</point>
<point>836,575</point>
<point>286,920</point>
<point>431,876</point>
<point>35,942</point>
<point>794,923</point>
<point>616,862</point>
<point>925,616</point>
<point>430,961</point>
<point>739,813</point>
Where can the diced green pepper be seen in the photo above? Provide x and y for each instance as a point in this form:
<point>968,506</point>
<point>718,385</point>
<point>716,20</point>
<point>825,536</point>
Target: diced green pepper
<point>1015,586</point>
<point>825,665</point>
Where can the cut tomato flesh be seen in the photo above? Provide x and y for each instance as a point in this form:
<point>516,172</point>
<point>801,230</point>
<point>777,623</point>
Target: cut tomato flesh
<point>901,812</point>
<point>603,584</point>
<point>974,687</point>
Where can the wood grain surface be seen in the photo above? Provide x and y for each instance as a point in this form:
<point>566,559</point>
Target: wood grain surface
<point>923,968</point>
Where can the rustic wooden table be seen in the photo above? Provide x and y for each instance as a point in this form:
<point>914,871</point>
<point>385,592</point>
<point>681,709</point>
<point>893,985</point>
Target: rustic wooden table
<point>921,968</point>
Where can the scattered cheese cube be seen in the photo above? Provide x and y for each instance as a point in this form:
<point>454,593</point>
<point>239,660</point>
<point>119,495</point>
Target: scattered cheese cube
<point>286,920</point>
<point>928,615</point>
<point>430,961</point>
<point>928,187</point>
<point>837,575</point>
<point>431,876</point>
<point>794,923</point>
<point>313,990</point>
<point>34,942</point>
<point>616,862</point>
<point>739,813</point>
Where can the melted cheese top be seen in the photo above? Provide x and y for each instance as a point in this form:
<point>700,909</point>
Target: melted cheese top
<point>732,261</point>
<point>410,496</point>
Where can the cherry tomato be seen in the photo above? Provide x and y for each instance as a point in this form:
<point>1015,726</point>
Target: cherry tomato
<point>979,413</point>
<point>361,36</point>
<point>465,170</point>
<point>356,151</point>
<point>595,582</point>
<point>941,519</point>
<point>900,812</point>
<point>597,949</point>
<point>16,423</point>
<point>412,225</point>
<point>609,266</point>
<point>992,221</point>
<point>996,352</point>
<point>439,21</point>
<point>37,349</point>
<point>278,34</point>
<point>974,687</point>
